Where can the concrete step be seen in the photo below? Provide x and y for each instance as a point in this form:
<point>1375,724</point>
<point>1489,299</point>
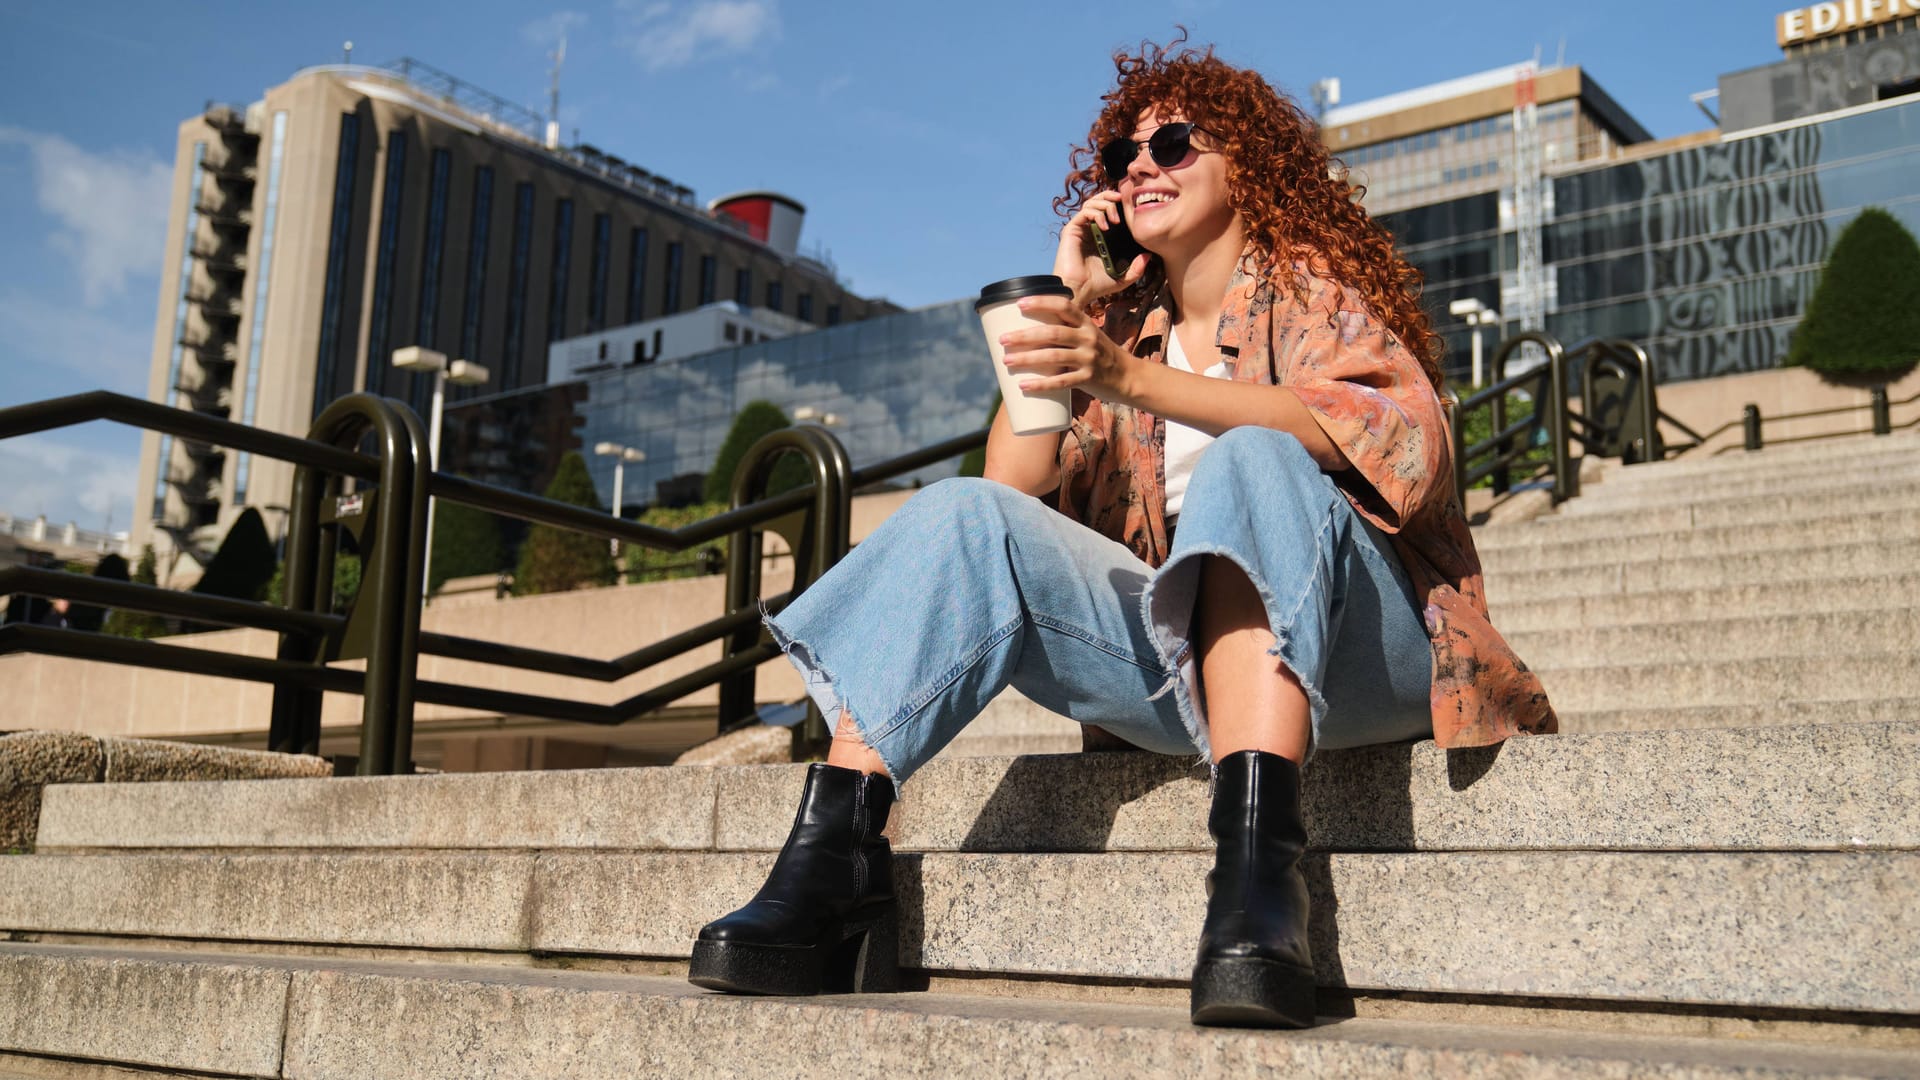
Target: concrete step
<point>1809,508</point>
<point>1863,461</point>
<point>1798,571</point>
<point>281,1017</point>
<point>1886,593</point>
<point>1756,681</point>
<point>1750,789</point>
<point>1779,456</point>
<point>1786,930</point>
<point>1813,634</point>
<point>1719,541</point>
<point>1628,500</point>
<point>1791,714</point>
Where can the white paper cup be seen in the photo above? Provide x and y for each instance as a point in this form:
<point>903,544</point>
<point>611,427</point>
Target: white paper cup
<point>1042,411</point>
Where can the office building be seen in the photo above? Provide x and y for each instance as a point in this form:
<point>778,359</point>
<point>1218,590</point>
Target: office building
<point>353,211</point>
<point>1705,247</point>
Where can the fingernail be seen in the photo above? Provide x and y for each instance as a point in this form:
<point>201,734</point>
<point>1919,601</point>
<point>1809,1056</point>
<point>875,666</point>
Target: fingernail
<point>1025,302</point>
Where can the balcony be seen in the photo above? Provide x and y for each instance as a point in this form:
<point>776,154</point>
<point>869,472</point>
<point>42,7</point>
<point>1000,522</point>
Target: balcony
<point>216,305</point>
<point>230,168</point>
<point>225,213</point>
<point>211,349</point>
<point>220,259</point>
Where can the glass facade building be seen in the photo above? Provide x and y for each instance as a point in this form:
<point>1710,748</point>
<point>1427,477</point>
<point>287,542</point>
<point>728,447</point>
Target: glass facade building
<point>894,383</point>
<point>1706,254</point>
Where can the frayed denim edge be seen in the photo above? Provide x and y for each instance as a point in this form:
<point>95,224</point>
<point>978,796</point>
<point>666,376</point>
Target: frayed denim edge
<point>820,687</point>
<point>1163,633</point>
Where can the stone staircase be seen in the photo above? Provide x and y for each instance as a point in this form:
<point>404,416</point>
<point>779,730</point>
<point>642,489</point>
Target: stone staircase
<point>1717,873</point>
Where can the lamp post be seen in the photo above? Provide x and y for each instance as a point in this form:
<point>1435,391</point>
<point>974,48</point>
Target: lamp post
<point>824,419</point>
<point>465,373</point>
<point>1474,314</point>
<point>620,455</point>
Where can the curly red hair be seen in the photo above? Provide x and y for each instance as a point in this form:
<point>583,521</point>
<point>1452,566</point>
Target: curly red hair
<point>1279,178</point>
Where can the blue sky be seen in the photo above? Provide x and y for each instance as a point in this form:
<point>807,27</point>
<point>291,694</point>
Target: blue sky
<point>926,140</point>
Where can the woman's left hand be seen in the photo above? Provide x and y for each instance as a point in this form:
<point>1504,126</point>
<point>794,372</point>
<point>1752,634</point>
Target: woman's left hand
<point>1069,353</point>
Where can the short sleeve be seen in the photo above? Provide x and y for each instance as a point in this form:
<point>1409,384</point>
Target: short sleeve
<point>1374,402</point>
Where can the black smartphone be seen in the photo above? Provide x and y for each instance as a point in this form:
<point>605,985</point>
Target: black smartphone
<point>1117,248</point>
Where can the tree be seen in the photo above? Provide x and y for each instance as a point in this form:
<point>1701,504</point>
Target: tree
<point>138,624</point>
<point>86,616</point>
<point>466,541</point>
<point>975,461</point>
<point>245,562</point>
<point>757,420</point>
<point>1864,318</point>
<point>647,564</point>
<point>556,560</point>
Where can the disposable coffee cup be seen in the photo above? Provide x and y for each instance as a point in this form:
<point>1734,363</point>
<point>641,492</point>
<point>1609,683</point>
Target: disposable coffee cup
<point>1041,411</point>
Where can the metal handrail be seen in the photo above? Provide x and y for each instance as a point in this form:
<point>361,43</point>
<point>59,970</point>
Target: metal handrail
<point>1700,440</point>
<point>1551,416</point>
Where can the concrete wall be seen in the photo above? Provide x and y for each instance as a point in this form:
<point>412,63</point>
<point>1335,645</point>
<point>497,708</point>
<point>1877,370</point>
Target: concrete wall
<point>1705,404</point>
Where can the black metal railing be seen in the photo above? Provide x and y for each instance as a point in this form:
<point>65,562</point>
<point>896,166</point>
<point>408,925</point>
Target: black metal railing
<point>1878,407</point>
<point>379,500</point>
<point>1507,444</point>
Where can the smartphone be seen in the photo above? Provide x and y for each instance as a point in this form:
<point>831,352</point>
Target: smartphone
<point>1117,248</point>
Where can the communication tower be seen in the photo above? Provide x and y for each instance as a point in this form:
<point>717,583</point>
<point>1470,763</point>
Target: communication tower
<point>1529,302</point>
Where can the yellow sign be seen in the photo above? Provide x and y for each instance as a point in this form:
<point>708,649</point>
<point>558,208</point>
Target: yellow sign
<point>1806,24</point>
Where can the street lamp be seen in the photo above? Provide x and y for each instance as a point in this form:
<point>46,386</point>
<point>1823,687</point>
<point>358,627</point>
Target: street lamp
<point>825,419</point>
<point>620,455</point>
<point>1474,314</point>
<point>463,372</point>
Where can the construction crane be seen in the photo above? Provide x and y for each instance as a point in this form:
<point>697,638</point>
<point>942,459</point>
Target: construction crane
<point>1528,304</point>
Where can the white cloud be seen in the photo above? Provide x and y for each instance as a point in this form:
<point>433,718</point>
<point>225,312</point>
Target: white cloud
<point>671,35</point>
<point>67,483</point>
<point>102,352</point>
<point>549,29</point>
<point>111,209</point>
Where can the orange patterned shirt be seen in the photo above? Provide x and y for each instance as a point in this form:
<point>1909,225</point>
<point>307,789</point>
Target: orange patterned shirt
<point>1373,400</point>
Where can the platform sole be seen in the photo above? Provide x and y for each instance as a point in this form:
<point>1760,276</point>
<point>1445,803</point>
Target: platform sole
<point>862,958</point>
<point>1251,992</point>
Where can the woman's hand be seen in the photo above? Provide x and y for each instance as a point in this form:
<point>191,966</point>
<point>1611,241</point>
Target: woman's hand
<point>1078,262</point>
<point>1070,353</point>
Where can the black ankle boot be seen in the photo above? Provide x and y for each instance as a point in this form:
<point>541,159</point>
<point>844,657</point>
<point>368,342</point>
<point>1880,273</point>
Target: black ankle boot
<point>825,920</point>
<point>1255,967</point>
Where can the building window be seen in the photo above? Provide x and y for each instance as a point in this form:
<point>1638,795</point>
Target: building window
<point>804,307</point>
<point>743,287</point>
<point>709,271</point>
<point>774,299</point>
<point>479,232</point>
<point>833,314</point>
<point>391,195</point>
<point>517,286</point>
<point>670,297</point>
<point>433,253</point>
<point>730,331</point>
<point>339,239</point>
<point>562,259</point>
<point>636,275</point>
<point>597,288</point>
<point>256,334</point>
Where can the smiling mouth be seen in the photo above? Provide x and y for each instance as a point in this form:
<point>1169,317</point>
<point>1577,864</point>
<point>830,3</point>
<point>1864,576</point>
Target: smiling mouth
<point>1152,198</point>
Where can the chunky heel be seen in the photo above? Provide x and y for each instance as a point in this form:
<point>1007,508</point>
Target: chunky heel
<point>873,957</point>
<point>1251,992</point>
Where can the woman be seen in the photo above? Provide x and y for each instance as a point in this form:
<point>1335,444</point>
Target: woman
<point>1260,385</point>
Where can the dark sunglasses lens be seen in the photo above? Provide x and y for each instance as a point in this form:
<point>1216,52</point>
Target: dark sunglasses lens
<point>1116,156</point>
<point>1169,144</point>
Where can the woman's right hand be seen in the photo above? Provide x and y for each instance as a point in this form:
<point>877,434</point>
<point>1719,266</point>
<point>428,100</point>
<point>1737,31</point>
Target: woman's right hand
<point>1078,261</point>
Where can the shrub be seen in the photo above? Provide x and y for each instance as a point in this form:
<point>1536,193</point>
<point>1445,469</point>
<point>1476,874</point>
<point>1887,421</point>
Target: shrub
<point>1479,428</point>
<point>138,624</point>
<point>1864,318</point>
<point>646,564</point>
<point>245,562</point>
<point>754,422</point>
<point>466,541</point>
<point>554,559</point>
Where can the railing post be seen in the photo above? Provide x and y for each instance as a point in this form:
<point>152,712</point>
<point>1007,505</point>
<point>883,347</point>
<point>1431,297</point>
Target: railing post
<point>1502,476</point>
<point>1456,425</point>
<point>1566,479</point>
<point>1882,412</point>
<point>1750,424</point>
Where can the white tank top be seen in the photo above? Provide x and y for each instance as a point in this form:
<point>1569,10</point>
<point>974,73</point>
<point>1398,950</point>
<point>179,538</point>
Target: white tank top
<point>1184,444</point>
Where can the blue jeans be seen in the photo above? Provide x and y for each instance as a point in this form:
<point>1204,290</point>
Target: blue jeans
<point>971,587</point>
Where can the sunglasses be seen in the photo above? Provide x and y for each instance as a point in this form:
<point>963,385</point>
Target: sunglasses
<point>1169,145</point>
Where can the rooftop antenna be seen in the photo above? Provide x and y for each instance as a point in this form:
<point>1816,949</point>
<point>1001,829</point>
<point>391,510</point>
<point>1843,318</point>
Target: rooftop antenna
<point>1560,58</point>
<point>1326,94</point>
<point>346,53</point>
<point>553,94</point>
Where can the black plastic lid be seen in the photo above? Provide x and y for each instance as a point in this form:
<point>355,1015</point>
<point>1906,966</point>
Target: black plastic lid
<point>1015,288</point>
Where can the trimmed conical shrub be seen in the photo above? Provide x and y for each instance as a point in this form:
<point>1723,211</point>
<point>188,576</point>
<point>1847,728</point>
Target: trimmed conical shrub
<point>754,422</point>
<point>1864,318</point>
<point>466,541</point>
<point>556,560</point>
<point>245,562</point>
<point>139,624</point>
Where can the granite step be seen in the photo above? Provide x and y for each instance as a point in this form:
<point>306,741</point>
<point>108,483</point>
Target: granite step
<point>1759,510</point>
<point>1865,460</point>
<point>1782,713</point>
<point>1812,634</point>
<point>1754,681</point>
<point>342,1017</point>
<point>1830,930</point>
<point>1599,502</point>
<point>1803,572</point>
<point>1885,593</point>
<point>1902,525</point>
<point>1766,788</point>
<point>1778,456</point>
